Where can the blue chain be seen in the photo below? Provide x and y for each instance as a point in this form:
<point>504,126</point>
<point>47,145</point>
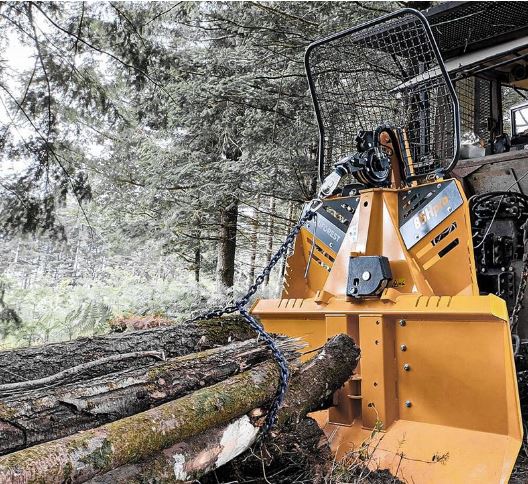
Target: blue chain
<point>240,306</point>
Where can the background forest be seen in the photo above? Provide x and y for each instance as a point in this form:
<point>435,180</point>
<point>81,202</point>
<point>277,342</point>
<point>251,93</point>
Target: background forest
<point>153,154</point>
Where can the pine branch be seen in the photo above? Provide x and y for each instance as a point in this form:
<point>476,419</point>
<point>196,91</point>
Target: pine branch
<point>365,6</point>
<point>162,13</point>
<point>51,150</point>
<point>104,52</point>
<point>129,22</point>
<point>284,14</point>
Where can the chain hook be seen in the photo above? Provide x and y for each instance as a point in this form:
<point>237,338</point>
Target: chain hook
<point>315,205</point>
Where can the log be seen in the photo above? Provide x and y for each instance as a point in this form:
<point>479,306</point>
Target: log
<point>39,415</point>
<point>180,339</point>
<point>87,454</point>
<point>309,390</point>
<point>81,456</point>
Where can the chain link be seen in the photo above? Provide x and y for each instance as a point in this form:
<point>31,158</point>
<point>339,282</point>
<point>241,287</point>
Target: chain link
<point>240,306</point>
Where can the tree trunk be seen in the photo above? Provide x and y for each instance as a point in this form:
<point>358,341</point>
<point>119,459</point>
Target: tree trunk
<point>269,248</point>
<point>289,226</point>
<point>84,455</point>
<point>225,268</point>
<point>197,260</point>
<point>253,242</point>
<point>197,234</point>
<point>177,340</point>
<point>309,390</point>
<point>32,416</point>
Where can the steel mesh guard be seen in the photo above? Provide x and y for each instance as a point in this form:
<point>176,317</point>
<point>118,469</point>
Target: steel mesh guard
<point>385,72</point>
<point>474,96</point>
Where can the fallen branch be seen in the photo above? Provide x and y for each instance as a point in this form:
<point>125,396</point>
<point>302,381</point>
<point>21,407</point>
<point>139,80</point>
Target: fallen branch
<point>10,388</point>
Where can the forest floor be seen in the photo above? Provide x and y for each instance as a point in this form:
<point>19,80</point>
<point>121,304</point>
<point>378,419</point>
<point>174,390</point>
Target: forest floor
<point>340,474</point>
<point>304,458</point>
<point>305,461</point>
<point>520,471</point>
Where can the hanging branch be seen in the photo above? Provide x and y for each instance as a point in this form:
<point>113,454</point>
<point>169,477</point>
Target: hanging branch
<point>104,52</point>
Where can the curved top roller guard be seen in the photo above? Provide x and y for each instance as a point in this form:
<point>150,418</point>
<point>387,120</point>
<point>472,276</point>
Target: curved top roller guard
<point>385,72</point>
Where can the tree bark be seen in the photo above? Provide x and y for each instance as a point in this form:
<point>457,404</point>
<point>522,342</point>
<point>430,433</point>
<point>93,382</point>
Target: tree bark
<point>308,391</point>
<point>196,423</point>
<point>81,456</point>
<point>269,247</point>
<point>197,234</point>
<point>33,416</point>
<point>177,340</point>
<point>253,241</point>
<point>225,268</point>
<point>289,226</point>
<point>197,260</point>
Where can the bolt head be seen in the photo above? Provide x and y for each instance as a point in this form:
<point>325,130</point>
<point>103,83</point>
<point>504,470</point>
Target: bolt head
<point>408,403</point>
<point>406,367</point>
<point>403,347</point>
<point>403,322</point>
<point>365,276</point>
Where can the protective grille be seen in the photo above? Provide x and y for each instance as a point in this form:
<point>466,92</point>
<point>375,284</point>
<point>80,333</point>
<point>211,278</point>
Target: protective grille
<point>460,27</point>
<point>385,72</point>
<point>511,98</point>
<point>474,95</point>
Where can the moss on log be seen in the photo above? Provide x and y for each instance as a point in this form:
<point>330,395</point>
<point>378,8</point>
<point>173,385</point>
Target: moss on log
<point>34,416</point>
<point>310,387</point>
<point>22,364</point>
<point>84,455</point>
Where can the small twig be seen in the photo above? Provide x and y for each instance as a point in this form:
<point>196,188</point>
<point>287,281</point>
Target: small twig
<point>61,375</point>
<point>162,13</point>
<point>104,52</point>
<point>263,468</point>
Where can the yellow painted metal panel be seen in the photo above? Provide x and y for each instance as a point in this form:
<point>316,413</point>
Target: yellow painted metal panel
<point>452,390</point>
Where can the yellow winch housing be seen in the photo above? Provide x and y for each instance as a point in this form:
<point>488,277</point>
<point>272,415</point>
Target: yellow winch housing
<point>434,398</point>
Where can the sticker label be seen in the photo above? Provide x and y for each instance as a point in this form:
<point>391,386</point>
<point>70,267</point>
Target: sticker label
<point>446,201</point>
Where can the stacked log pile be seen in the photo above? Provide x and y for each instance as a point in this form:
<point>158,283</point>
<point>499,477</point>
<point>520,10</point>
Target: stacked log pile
<point>158,405</point>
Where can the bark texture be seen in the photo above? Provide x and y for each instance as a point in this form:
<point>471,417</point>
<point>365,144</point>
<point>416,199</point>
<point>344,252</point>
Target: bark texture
<point>180,339</point>
<point>84,455</point>
<point>40,415</point>
<point>225,267</point>
<point>137,438</point>
<point>309,389</point>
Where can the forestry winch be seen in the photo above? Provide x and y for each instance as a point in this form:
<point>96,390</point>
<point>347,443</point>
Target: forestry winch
<point>389,258</point>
